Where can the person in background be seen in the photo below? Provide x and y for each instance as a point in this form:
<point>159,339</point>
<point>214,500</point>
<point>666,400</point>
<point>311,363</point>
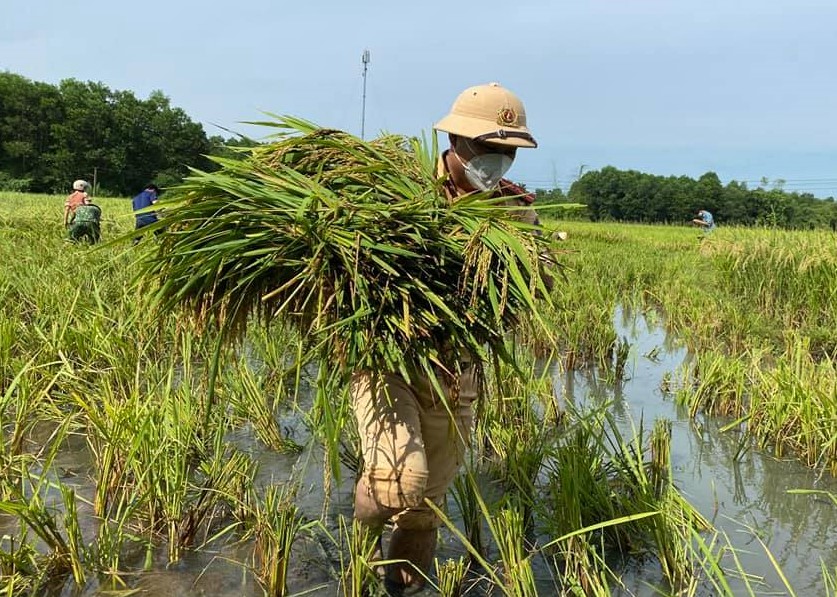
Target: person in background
<point>85,223</point>
<point>144,200</point>
<point>705,220</point>
<point>412,446</point>
<point>74,200</point>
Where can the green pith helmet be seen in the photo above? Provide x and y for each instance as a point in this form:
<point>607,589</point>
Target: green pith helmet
<point>489,114</point>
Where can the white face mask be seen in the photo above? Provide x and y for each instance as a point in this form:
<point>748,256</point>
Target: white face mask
<point>485,171</point>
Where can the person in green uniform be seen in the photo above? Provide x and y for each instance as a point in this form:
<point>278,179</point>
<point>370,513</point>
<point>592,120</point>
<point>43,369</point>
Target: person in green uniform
<point>86,223</point>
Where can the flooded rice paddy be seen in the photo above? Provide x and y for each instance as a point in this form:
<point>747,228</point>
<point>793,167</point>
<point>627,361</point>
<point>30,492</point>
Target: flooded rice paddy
<point>744,493</point>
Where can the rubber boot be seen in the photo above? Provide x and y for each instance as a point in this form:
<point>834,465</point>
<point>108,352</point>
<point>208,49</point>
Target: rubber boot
<point>417,548</point>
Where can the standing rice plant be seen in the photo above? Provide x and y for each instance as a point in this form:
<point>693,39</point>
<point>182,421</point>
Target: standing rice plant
<point>651,486</point>
<point>578,494</point>
<point>272,347</point>
<point>596,475</point>
<point>359,557</point>
<point>31,504</point>
<point>578,489</point>
<point>8,338</point>
<point>76,550</point>
<point>451,575</point>
<point>221,484</point>
<point>166,454</point>
<point>507,529</point>
<point>277,523</point>
<point>660,441</point>
<point>156,463</point>
<point>20,567</point>
<point>791,279</point>
<point>115,533</point>
<point>669,528</point>
<point>14,425</point>
<point>585,321</point>
<point>721,385</point>
<point>25,401</point>
<point>519,454</point>
<point>111,436</point>
<point>621,352</point>
<point>490,570</point>
<point>465,494</point>
<point>793,405</point>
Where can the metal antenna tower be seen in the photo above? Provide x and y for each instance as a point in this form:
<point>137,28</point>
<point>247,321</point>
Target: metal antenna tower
<point>365,59</point>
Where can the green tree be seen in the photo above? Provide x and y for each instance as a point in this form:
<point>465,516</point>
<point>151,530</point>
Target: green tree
<point>51,135</point>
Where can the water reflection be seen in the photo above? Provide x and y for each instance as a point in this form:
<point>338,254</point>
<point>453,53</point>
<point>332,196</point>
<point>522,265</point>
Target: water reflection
<point>742,491</point>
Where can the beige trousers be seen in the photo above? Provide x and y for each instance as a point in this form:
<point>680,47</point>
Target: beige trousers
<point>412,444</point>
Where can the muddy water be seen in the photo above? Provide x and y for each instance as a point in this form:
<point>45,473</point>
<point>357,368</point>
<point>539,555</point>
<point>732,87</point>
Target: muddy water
<point>743,494</point>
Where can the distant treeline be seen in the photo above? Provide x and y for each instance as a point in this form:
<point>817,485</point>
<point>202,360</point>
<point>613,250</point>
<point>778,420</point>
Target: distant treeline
<point>51,135</point>
<point>631,196</point>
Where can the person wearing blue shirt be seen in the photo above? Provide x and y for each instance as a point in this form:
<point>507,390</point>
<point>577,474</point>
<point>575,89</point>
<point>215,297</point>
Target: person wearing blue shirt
<point>705,221</point>
<point>145,199</point>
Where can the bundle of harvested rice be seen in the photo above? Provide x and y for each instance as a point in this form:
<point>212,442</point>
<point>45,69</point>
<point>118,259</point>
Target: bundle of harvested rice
<point>353,243</point>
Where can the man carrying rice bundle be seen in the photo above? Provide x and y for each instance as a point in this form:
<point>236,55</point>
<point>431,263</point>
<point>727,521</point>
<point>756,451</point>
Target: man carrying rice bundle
<point>411,449</point>
<point>401,271</point>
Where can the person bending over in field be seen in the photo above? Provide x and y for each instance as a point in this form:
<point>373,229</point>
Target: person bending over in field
<point>412,446</point>
<point>144,200</point>
<point>75,199</point>
<point>705,220</point>
<point>85,223</point>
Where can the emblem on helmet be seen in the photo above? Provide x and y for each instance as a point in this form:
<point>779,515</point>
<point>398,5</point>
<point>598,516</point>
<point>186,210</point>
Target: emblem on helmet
<point>507,117</point>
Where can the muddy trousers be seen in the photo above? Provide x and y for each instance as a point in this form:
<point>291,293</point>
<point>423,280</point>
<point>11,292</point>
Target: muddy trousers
<point>412,449</point>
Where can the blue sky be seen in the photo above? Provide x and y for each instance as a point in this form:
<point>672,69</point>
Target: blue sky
<point>746,88</point>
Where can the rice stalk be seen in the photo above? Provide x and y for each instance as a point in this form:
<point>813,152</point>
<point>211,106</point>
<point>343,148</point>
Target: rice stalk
<point>20,566</point>
<point>248,396</point>
<point>451,575</point>
<point>465,494</point>
<point>507,529</point>
<point>354,245</point>
<point>76,550</point>
<point>829,578</point>
<point>277,523</point>
<point>357,568</point>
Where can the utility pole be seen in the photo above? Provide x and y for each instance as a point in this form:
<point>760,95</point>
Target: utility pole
<point>365,60</point>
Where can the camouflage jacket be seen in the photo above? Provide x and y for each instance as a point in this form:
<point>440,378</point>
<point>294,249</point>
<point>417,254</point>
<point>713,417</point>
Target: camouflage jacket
<point>89,214</point>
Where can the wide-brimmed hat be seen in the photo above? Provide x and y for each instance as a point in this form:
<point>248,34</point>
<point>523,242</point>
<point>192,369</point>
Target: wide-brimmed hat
<point>490,114</point>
